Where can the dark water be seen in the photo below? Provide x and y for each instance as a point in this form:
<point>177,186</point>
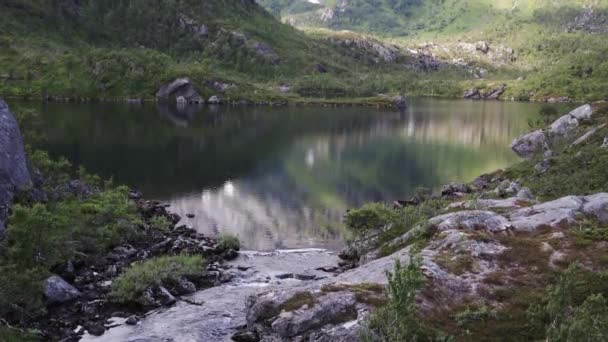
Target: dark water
<point>283,177</point>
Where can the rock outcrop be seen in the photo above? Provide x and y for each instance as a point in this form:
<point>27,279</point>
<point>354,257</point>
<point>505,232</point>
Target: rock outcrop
<point>14,173</point>
<point>180,89</point>
<point>491,94</point>
<point>562,129</point>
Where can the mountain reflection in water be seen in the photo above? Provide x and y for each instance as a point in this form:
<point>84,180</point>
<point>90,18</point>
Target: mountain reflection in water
<point>283,177</point>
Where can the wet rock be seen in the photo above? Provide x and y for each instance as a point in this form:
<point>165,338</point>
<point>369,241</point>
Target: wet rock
<point>132,320</point>
<point>57,291</point>
<point>328,269</point>
<point>95,329</point>
<point>305,276</point>
<point>399,102</point>
<point>284,276</point>
<point>231,254</point>
<point>164,297</point>
<point>529,144</point>
<point>181,87</point>
<point>185,286</point>
<point>245,336</point>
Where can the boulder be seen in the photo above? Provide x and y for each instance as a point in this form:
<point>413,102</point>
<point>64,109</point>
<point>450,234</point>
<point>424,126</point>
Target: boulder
<point>57,291</point>
<point>563,126</point>
<point>471,220</point>
<point>399,102</point>
<point>482,46</point>
<point>332,308</point>
<point>472,94</point>
<point>14,174</point>
<point>496,93</point>
<point>181,87</point>
<point>559,213</point>
<point>214,100</point>
<point>529,144</point>
<point>597,206</point>
<point>582,113</point>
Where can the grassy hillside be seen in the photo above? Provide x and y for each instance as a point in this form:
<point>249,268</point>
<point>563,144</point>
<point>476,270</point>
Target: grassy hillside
<point>558,46</point>
<point>128,49</point>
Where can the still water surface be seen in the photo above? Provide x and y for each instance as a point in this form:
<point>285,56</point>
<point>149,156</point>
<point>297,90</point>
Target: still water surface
<point>283,177</point>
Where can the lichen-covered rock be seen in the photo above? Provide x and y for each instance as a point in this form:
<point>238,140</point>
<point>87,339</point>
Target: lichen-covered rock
<point>529,144</point>
<point>332,308</point>
<point>57,291</point>
<point>597,206</point>
<point>511,203</point>
<point>14,174</point>
<point>555,214</point>
<point>471,220</point>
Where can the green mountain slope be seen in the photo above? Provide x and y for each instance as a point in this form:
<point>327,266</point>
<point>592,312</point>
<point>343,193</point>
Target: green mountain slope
<point>557,47</point>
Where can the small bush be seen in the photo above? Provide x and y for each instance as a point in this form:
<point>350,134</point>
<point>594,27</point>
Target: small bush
<point>474,315</point>
<point>227,242</point>
<point>397,320</point>
<point>154,272</point>
<point>161,223</point>
<point>49,234</point>
<point>370,216</point>
<point>574,309</point>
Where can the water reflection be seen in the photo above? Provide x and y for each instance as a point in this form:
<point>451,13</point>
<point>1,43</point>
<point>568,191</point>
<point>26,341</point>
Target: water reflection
<point>282,178</point>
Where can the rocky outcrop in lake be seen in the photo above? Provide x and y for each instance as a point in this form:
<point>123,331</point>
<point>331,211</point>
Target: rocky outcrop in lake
<point>14,173</point>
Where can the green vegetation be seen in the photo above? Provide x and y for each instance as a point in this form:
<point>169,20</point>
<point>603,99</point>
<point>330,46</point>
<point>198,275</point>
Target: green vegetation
<point>130,285</point>
<point>226,242</point>
<point>397,320</point>
<point>161,223</point>
<point>575,308</point>
<point>297,301</point>
<point>370,216</point>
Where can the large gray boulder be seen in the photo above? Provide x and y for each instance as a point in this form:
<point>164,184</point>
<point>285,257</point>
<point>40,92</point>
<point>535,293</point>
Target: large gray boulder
<point>529,144</point>
<point>57,291</point>
<point>14,174</point>
<point>181,88</point>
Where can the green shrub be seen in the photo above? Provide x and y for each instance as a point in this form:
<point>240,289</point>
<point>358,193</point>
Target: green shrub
<point>21,291</point>
<point>161,223</point>
<point>575,308</point>
<point>49,234</point>
<point>397,320</point>
<point>370,216</point>
<point>16,335</point>
<point>474,315</point>
<point>227,242</point>
<point>154,272</point>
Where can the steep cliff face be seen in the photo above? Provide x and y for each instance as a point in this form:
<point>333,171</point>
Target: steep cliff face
<point>14,174</point>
